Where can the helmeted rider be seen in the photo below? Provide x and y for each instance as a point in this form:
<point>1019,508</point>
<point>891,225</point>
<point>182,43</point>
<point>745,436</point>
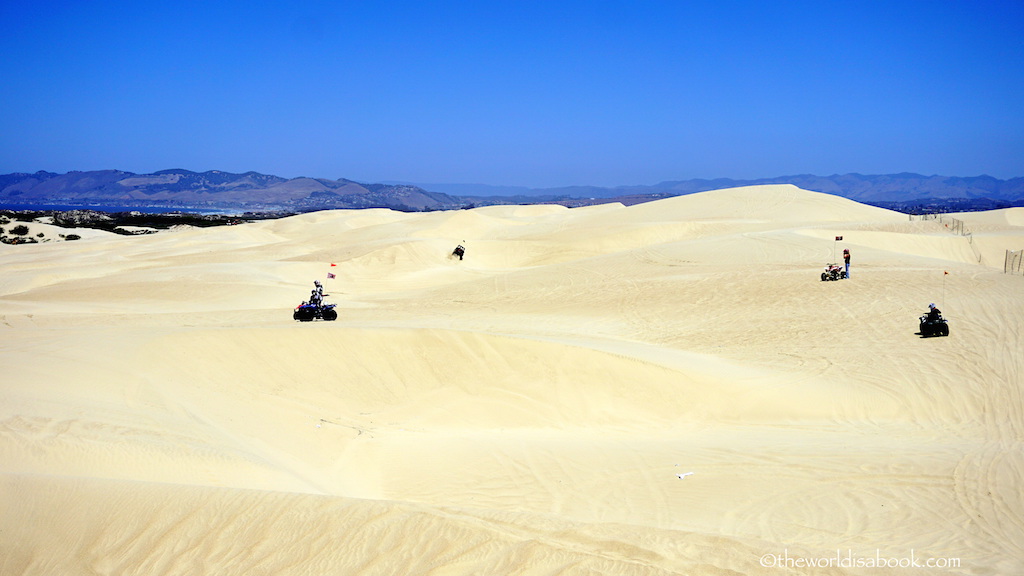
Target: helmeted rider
<point>933,313</point>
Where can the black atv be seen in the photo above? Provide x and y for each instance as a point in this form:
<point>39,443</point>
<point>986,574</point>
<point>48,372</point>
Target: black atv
<point>933,327</point>
<point>307,312</point>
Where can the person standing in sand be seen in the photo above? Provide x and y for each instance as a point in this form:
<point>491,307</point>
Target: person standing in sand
<point>846,258</point>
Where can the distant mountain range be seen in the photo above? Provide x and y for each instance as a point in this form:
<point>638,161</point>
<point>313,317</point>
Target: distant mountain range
<point>212,190</point>
<point>252,191</point>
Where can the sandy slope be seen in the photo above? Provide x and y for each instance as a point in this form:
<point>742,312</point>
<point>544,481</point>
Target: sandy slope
<point>528,410</point>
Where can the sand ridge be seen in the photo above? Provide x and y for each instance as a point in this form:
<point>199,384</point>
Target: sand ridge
<point>527,410</point>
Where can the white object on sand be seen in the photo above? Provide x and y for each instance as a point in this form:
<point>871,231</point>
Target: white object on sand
<point>683,475</point>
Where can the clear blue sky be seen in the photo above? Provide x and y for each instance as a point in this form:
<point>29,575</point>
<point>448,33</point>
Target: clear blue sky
<point>544,93</point>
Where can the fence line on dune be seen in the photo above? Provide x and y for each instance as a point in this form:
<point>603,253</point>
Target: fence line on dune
<point>954,225</point>
<point>975,249</point>
<point>1014,263</point>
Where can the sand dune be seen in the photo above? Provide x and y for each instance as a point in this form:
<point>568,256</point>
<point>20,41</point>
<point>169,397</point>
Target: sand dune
<point>665,388</point>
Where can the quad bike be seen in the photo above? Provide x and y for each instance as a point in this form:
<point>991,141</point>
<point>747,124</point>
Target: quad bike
<point>307,312</point>
<point>933,327</point>
<point>833,272</point>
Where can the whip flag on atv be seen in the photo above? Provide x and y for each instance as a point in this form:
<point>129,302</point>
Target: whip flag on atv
<point>834,245</point>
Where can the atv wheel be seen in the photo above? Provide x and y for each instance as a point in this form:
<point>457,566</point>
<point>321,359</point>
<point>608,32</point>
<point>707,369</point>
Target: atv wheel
<point>824,277</point>
<point>330,315</point>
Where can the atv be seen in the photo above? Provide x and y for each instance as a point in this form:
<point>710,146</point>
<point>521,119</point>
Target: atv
<point>307,312</point>
<point>833,272</point>
<point>933,327</point>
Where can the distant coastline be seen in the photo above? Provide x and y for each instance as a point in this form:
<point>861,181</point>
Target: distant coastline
<point>114,209</point>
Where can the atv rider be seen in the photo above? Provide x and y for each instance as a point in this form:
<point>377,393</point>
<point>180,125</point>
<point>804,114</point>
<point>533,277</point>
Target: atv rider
<point>459,251</point>
<point>933,313</point>
<point>316,298</point>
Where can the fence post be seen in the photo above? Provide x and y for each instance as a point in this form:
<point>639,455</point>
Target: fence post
<point>1014,262</point>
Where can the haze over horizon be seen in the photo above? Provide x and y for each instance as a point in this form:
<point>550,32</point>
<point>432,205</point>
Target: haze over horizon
<point>514,94</point>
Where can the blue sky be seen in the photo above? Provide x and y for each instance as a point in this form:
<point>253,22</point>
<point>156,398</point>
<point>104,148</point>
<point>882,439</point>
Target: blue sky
<point>514,93</point>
